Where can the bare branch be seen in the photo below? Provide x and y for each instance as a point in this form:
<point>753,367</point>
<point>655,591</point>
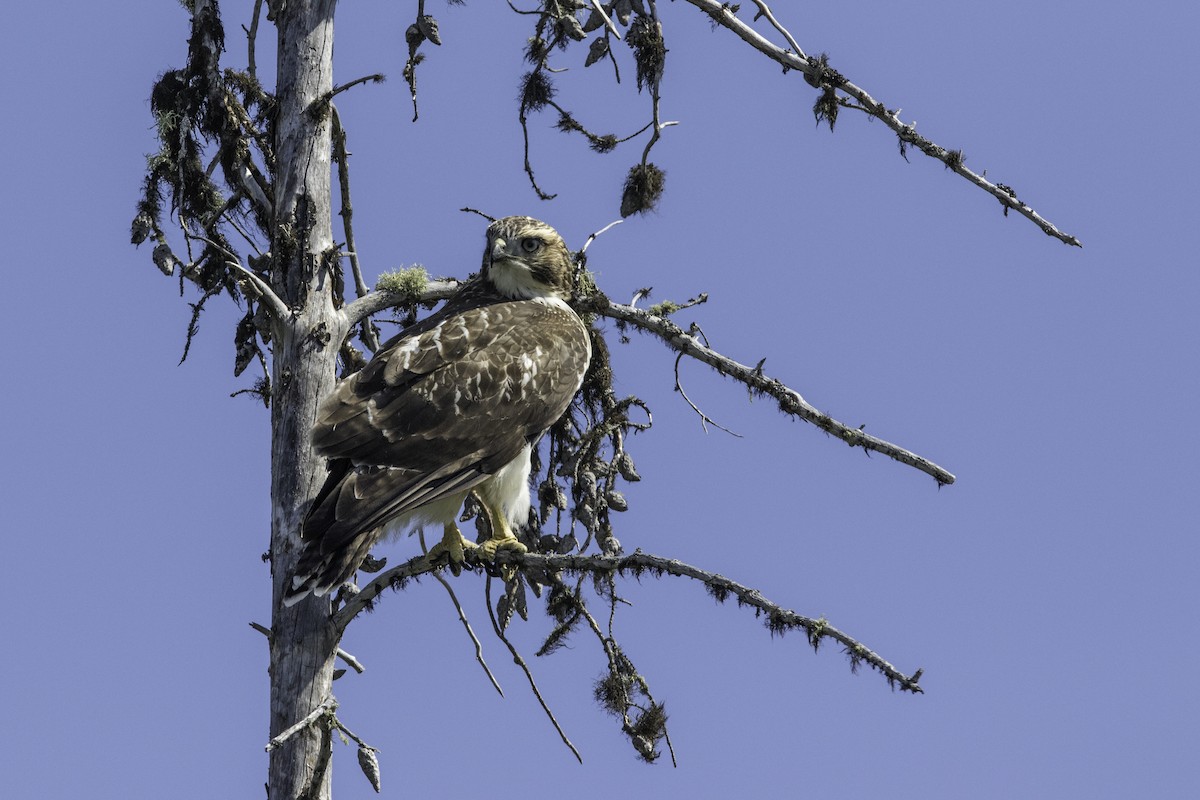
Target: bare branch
<point>378,300</point>
<point>251,37</point>
<point>779,619</point>
<point>368,762</point>
<point>722,15</point>
<point>253,190</point>
<point>608,23</point>
<point>347,211</point>
<point>350,660</point>
<point>325,709</point>
<point>367,595</point>
<point>789,400</point>
<point>268,297</point>
<point>377,77</point>
<point>342,158</point>
<point>765,11</point>
<point>337,723</point>
<point>599,233</point>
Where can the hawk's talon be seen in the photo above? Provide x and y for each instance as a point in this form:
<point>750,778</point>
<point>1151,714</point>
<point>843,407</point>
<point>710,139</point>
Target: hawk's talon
<point>453,549</point>
<point>488,549</point>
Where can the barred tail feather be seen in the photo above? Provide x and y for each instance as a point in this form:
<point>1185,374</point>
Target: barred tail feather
<point>319,573</point>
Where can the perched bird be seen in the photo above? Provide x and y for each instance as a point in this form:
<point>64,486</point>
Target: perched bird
<point>451,405</point>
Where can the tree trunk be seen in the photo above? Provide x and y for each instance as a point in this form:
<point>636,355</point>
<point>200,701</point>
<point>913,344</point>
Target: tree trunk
<point>303,642</point>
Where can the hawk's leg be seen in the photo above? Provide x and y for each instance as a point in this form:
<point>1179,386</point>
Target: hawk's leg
<point>502,536</point>
<point>453,547</point>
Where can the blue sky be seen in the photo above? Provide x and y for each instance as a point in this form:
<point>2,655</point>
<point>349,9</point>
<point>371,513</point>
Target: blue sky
<point>1050,594</point>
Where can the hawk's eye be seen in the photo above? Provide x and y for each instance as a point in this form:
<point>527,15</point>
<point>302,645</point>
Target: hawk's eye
<point>530,245</point>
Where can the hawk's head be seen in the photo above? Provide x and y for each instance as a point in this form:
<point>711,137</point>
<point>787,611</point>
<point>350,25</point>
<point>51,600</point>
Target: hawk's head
<point>526,258</point>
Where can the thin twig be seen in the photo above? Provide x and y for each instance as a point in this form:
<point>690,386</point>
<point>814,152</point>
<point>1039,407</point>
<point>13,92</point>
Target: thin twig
<point>666,732</point>
<point>523,107</point>
<point>337,723</point>
<point>469,210</point>
<point>592,137</point>
<point>542,195</point>
<point>705,419</point>
<point>520,662</point>
<point>599,233</point>
<point>462,616</point>
<point>519,11</point>
<point>233,223</point>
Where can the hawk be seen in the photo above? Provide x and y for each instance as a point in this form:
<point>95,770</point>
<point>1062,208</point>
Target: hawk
<point>449,406</point>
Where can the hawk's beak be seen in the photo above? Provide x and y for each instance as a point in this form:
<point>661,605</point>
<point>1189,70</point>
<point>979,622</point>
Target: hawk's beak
<point>499,251</point>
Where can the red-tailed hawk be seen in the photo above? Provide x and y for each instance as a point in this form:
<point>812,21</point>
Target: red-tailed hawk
<point>451,405</point>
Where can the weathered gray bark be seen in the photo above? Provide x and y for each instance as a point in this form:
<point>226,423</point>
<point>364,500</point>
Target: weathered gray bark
<point>303,366</point>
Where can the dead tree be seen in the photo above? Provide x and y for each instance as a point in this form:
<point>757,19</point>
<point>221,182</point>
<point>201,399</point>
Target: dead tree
<point>238,202</point>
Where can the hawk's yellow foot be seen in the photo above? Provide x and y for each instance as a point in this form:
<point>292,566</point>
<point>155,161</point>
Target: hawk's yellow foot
<point>453,547</point>
<point>488,549</point>
<point>502,537</point>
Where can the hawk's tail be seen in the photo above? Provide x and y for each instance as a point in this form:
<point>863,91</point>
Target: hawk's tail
<point>319,573</point>
<point>322,568</point>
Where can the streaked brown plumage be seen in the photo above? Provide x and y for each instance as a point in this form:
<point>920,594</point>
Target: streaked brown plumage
<point>449,406</point>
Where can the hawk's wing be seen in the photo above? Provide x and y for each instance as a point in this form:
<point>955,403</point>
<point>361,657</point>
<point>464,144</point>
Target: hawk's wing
<point>440,408</point>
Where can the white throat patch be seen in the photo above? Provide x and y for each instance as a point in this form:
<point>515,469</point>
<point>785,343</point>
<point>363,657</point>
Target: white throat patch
<point>513,279</point>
